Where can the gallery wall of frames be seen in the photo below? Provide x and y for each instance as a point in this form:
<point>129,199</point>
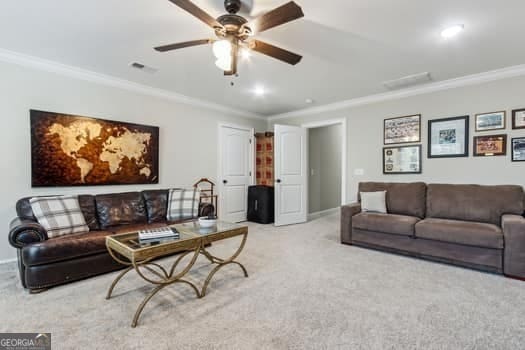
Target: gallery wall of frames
<point>450,138</point>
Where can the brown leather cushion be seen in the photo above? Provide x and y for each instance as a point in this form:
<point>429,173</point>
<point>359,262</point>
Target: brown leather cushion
<point>156,205</point>
<point>65,248</point>
<point>461,232</point>
<point>87,205</point>
<point>474,202</point>
<point>120,209</point>
<point>401,198</point>
<point>385,223</point>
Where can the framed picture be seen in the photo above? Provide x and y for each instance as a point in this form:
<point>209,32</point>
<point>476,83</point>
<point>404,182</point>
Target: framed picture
<point>518,149</point>
<point>70,150</point>
<point>491,121</point>
<point>518,119</point>
<point>448,137</point>
<point>402,160</point>
<point>493,145</point>
<point>402,130</point>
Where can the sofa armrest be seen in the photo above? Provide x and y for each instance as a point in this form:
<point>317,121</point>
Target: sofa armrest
<point>24,232</point>
<point>514,254</point>
<point>347,212</point>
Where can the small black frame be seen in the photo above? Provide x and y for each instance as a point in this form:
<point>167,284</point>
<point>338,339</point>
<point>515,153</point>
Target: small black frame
<point>514,124</point>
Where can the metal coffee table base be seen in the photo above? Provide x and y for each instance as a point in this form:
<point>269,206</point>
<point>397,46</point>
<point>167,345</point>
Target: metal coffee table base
<point>166,278</point>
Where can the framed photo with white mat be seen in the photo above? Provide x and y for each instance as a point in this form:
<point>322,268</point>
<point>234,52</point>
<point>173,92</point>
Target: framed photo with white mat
<point>402,160</point>
<point>448,137</point>
<point>491,121</point>
<point>402,129</point>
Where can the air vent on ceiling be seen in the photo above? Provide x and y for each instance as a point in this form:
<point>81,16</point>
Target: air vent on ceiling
<point>407,81</point>
<point>143,67</point>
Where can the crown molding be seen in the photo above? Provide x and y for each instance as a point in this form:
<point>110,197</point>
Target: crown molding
<point>103,79</point>
<point>474,79</point>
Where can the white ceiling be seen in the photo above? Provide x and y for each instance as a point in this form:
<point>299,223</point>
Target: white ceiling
<point>349,46</point>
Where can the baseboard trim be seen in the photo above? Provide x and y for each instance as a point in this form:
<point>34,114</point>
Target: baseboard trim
<point>321,213</point>
<point>7,261</point>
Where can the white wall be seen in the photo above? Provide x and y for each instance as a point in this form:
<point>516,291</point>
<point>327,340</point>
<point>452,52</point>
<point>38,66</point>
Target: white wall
<point>324,162</point>
<point>365,134</point>
<point>188,135</point>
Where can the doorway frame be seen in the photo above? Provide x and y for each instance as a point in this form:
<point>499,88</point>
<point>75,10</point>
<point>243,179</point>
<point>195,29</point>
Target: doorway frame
<point>330,122</point>
<point>251,159</point>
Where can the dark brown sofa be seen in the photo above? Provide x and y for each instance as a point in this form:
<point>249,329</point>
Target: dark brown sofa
<point>480,227</point>
<point>44,262</point>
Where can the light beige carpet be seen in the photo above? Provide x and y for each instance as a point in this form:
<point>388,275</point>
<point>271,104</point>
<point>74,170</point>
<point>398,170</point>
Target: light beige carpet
<point>305,291</point>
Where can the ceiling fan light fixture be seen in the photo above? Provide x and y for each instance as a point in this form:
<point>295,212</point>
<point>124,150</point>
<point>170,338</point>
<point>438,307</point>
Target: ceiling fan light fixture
<point>224,64</point>
<point>222,49</point>
<point>235,31</point>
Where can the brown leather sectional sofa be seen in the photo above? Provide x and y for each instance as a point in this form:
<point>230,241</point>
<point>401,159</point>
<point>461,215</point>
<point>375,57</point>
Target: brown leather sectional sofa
<point>480,227</point>
<point>47,262</point>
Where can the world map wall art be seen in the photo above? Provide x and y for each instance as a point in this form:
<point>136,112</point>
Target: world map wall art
<point>69,150</point>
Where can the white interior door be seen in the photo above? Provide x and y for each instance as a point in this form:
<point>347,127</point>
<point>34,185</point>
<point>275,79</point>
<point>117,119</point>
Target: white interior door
<point>235,172</point>
<point>290,175</point>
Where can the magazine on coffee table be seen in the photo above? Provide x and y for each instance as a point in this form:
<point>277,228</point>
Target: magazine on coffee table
<point>156,233</point>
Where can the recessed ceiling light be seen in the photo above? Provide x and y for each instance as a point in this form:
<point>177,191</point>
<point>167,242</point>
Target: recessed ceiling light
<point>259,91</point>
<point>309,101</point>
<point>452,31</point>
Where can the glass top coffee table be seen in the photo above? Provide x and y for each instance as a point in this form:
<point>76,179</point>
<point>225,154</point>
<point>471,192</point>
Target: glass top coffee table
<point>127,249</point>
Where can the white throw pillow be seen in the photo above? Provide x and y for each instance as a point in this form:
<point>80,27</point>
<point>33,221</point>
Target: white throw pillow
<point>183,204</point>
<point>59,215</point>
<point>374,202</point>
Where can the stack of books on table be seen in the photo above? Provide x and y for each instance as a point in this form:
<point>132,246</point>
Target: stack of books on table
<point>157,233</point>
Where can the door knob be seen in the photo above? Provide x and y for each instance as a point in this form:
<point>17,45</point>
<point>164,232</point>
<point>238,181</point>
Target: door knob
<point>278,181</point>
<point>225,181</point>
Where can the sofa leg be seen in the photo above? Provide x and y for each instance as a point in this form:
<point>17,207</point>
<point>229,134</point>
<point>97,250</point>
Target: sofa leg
<point>37,290</point>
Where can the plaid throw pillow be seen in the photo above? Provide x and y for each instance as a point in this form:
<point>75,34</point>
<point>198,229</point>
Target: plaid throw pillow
<point>60,215</point>
<point>183,204</point>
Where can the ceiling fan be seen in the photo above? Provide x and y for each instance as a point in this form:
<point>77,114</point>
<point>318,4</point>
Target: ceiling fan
<point>234,33</point>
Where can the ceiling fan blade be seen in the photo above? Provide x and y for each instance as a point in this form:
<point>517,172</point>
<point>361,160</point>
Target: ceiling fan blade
<point>197,12</point>
<point>170,47</point>
<point>275,52</point>
<point>281,15</point>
